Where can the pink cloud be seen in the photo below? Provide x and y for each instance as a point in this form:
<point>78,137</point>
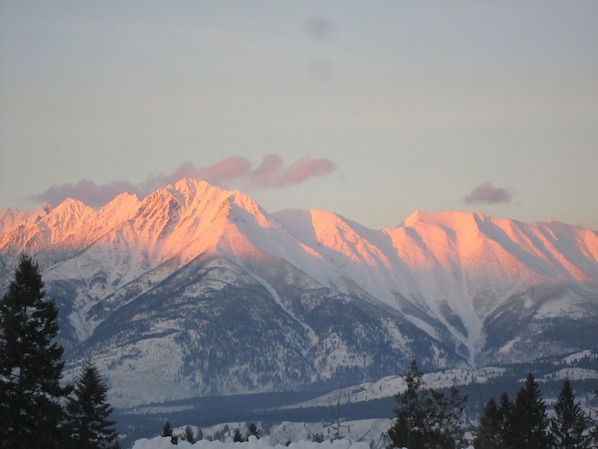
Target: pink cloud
<point>487,193</point>
<point>235,170</point>
<point>223,173</point>
<point>272,174</point>
<point>306,168</point>
<point>86,191</point>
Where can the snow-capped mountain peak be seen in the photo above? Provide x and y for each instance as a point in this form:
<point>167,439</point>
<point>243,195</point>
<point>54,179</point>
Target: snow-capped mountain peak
<point>455,288</point>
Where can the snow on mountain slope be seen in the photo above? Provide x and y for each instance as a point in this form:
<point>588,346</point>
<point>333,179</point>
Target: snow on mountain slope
<point>391,385</point>
<point>490,289</point>
<point>456,265</point>
<point>9,218</point>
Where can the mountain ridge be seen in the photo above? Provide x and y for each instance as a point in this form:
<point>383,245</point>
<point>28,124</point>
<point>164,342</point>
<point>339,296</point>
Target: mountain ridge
<point>462,288</point>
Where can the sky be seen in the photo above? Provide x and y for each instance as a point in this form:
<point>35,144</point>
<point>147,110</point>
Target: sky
<point>372,110</point>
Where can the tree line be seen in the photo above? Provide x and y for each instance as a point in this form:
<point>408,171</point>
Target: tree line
<point>428,419</point>
<point>36,410</point>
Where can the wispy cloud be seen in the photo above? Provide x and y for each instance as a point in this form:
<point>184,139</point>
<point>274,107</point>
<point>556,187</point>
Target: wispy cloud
<point>92,194</point>
<point>489,194</point>
<point>223,173</point>
<point>270,173</point>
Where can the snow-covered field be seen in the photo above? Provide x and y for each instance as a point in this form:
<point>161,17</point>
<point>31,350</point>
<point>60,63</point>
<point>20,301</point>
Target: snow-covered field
<point>253,443</point>
<point>360,434</point>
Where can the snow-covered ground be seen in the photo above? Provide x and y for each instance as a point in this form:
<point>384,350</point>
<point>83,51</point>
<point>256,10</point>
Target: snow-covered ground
<point>253,443</point>
<point>358,434</point>
<point>390,385</point>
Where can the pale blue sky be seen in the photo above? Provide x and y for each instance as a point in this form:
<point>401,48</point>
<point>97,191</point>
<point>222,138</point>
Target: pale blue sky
<point>386,106</point>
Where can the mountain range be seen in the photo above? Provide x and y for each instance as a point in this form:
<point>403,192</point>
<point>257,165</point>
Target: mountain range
<point>196,290</point>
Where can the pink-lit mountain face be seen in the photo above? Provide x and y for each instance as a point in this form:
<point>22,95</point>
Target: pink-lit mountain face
<point>197,273</point>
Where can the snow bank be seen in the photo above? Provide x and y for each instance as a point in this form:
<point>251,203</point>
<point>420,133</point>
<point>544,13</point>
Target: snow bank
<point>253,443</point>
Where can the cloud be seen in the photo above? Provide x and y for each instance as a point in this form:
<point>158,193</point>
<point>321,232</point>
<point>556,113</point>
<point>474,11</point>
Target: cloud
<point>487,193</point>
<point>269,174</point>
<point>223,173</point>
<point>272,174</point>
<point>86,191</point>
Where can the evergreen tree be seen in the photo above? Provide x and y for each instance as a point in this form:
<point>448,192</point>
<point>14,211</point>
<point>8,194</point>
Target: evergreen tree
<point>189,435</point>
<point>31,396</point>
<point>89,425</point>
<point>238,436</point>
<point>505,411</point>
<point>253,430</point>
<point>447,419</point>
<point>569,425</point>
<point>166,430</point>
<point>489,432</point>
<point>493,430</point>
<point>318,437</point>
<point>594,423</point>
<point>527,423</point>
<point>425,418</point>
<point>409,427</point>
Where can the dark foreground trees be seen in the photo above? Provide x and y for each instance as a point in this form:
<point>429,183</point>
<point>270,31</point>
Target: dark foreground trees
<point>89,424</point>
<point>494,424</point>
<point>524,424</point>
<point>569,425</point>
<point>409,427</point>
<point>425,418</point>
<point>512,425</point>
<point>189,435</point>
<point>31,412</point>
<point>527,422</point>
<point>428,419</point>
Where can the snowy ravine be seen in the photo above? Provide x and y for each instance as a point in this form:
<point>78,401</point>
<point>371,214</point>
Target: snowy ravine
<point>195,290</point>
